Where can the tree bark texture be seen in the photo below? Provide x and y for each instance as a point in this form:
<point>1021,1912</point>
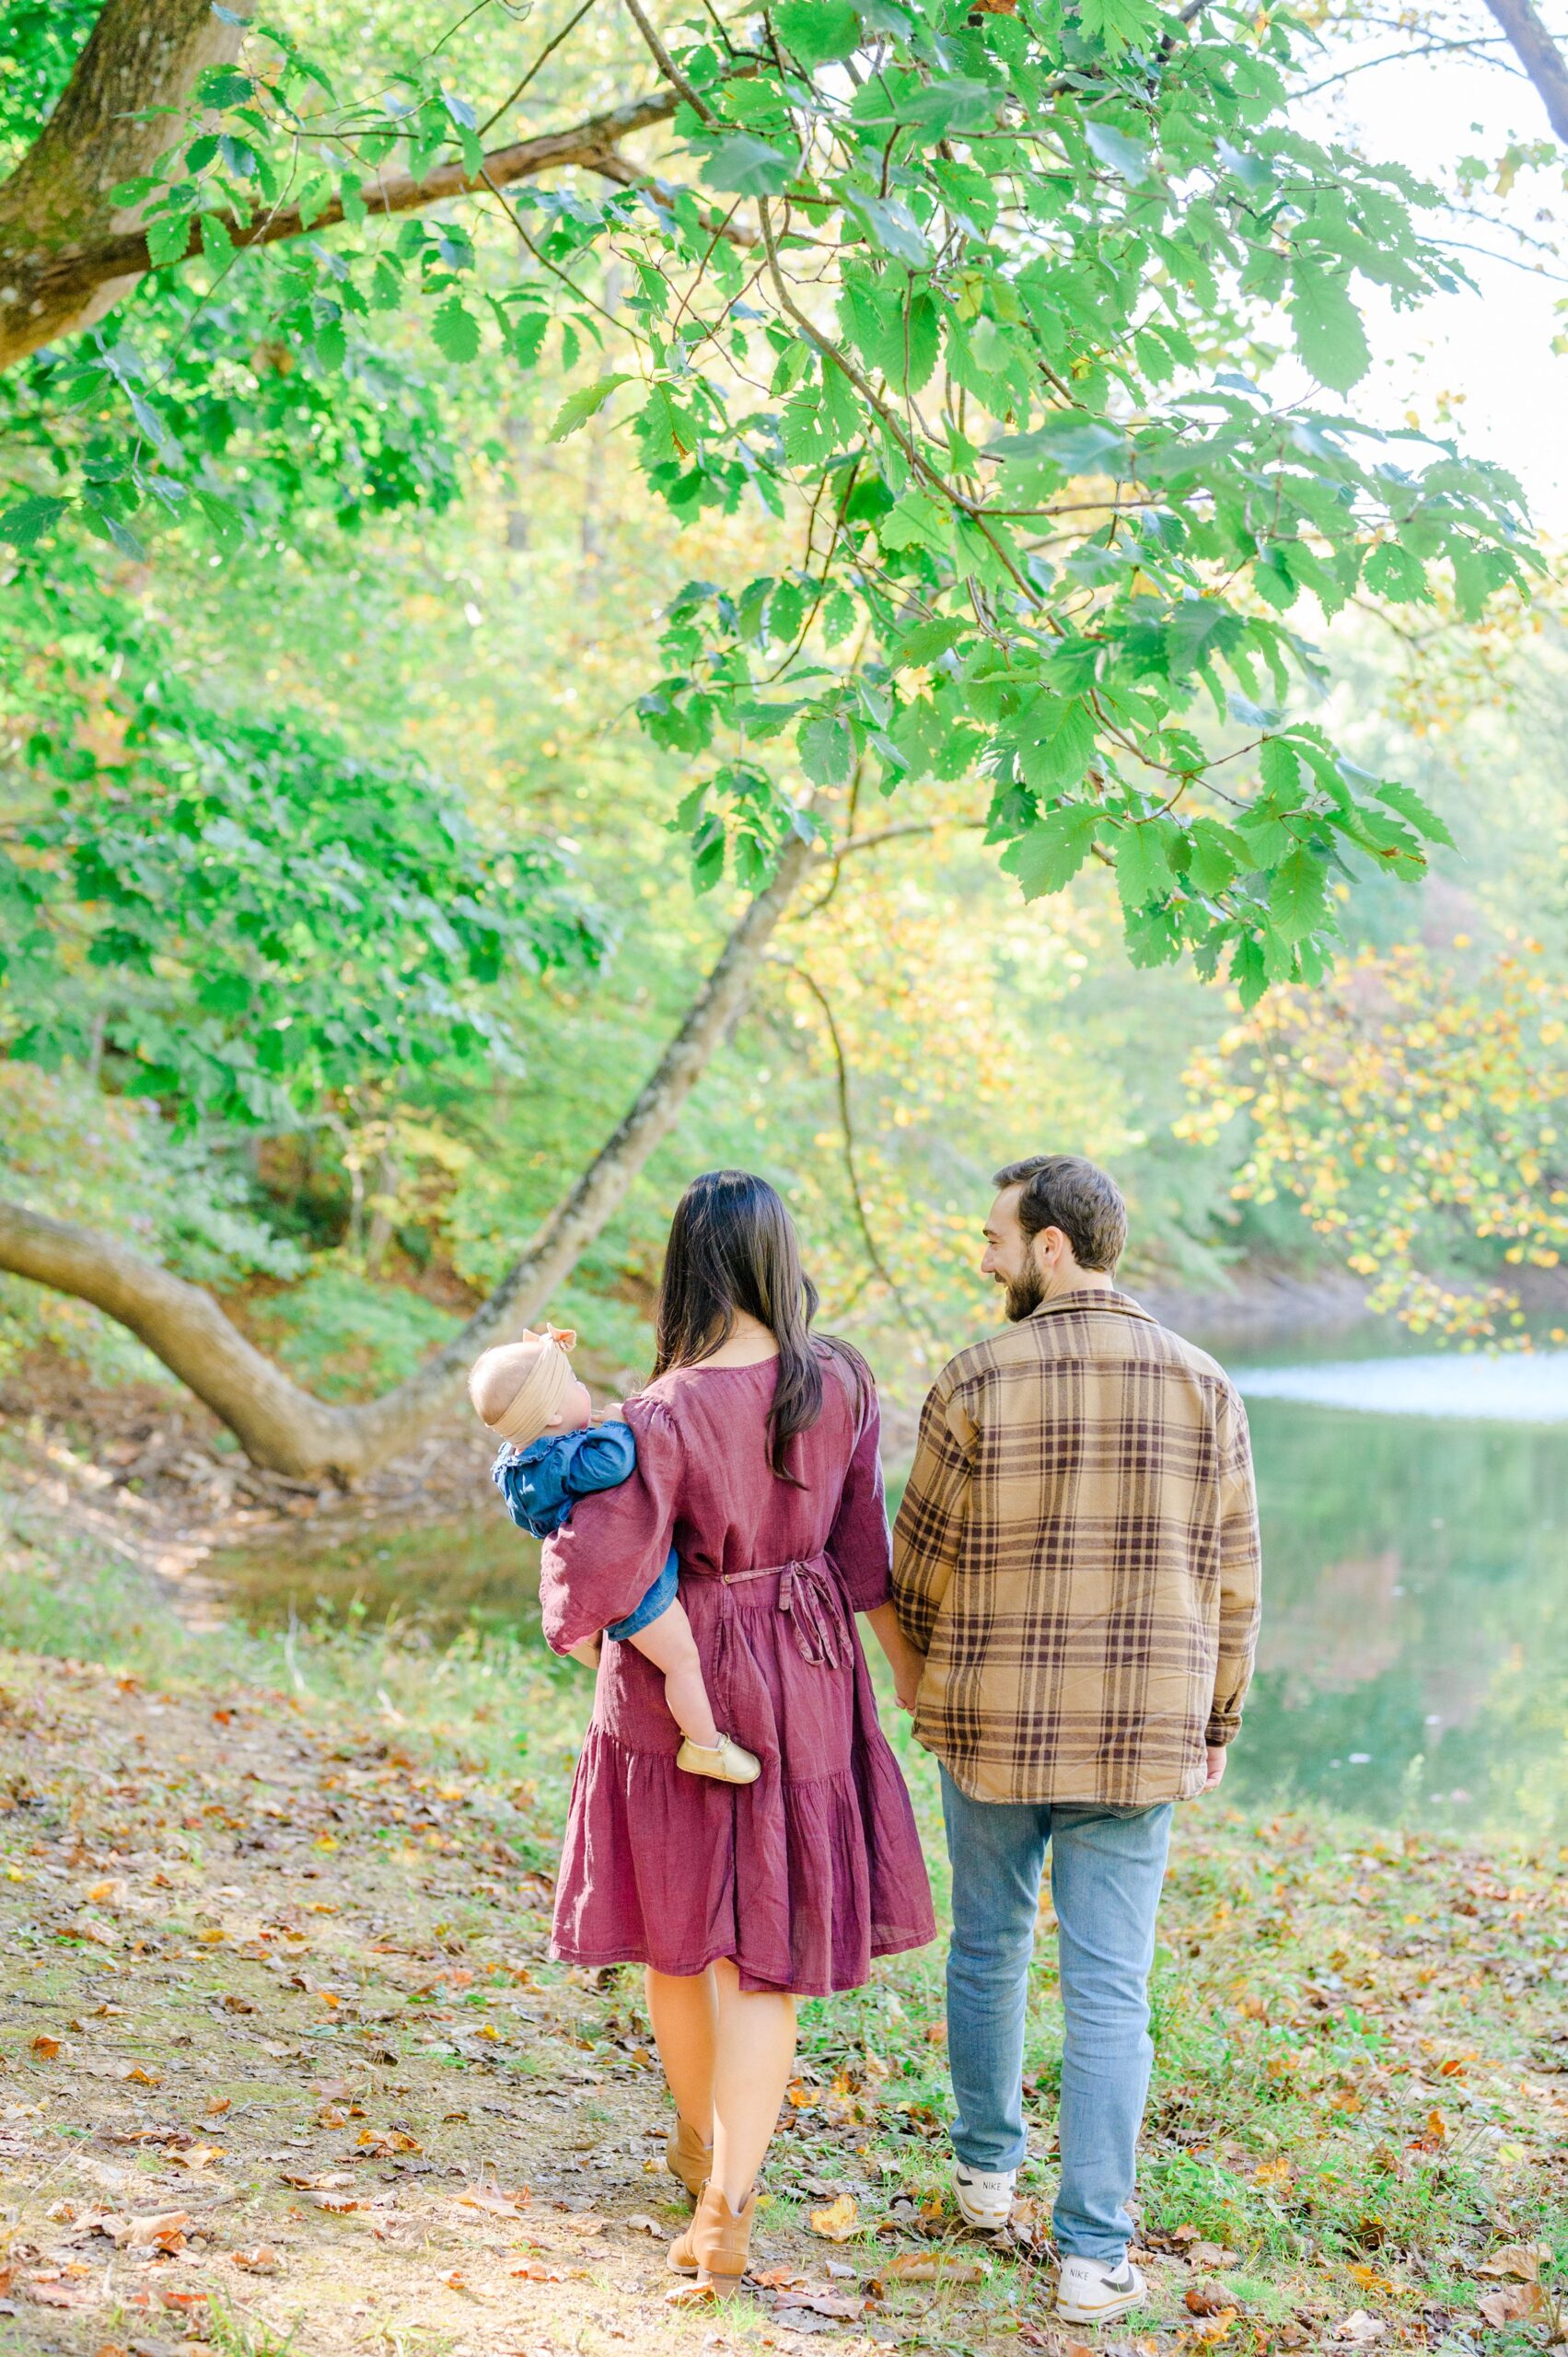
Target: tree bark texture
<point>1540,57</point>
<point>281,1425</point>
<point>63,246</point>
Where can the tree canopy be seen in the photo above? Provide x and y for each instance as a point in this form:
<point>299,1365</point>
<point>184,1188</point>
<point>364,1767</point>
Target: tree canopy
<point>997,365</point>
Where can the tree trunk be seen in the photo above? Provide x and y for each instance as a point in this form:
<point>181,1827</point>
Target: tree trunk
<point>1540,57</point>
<point>117,113</point>
<point>281,1425</point>
<point>67,254</point>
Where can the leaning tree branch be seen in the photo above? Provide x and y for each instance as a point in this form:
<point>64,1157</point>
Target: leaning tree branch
<point>1540,55</point>
<point>284,1427</point>
<point>53,287</point>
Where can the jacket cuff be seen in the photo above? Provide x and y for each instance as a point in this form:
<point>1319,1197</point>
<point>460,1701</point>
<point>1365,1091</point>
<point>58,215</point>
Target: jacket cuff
<point>1222,1731</point>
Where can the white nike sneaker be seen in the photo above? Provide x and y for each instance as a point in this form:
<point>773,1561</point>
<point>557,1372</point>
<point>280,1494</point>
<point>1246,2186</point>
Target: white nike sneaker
<point>1089,2292</point>
<point>986,2202</point>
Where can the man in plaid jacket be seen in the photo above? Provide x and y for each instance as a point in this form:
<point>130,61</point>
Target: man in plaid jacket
<point>1076,1557</point>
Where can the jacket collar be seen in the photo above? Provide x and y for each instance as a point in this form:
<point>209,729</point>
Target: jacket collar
<point>1094,1297</point>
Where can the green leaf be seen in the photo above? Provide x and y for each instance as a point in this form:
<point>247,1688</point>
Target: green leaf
<point>1051,854</point>
<point>827,747</point>
<point>743,165</point>
<point>890,225</point>
<point>168,239</point>
<point>216,243</point>
<point>1328,333</point>
<point>1298,903</point>
<point>928,640</point>
<point>1059,758</point>
<point>1128,157</point>
<point>1410,805</point>
<point>456,330</point>
<point>1117,24</point>
<point>1142,864</point>
<point>25,525</point>
<point>1280,768</point>
<point>1071,440</point>
<point>585,402</point>
<point>1395,572</point>
<point>818,31</point>
<point>1215,857</point>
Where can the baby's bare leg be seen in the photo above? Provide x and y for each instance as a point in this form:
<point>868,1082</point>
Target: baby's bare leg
<point>668,1644</point>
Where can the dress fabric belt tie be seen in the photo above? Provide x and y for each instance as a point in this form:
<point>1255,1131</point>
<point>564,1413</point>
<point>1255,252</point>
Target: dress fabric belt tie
<point>809,1597</point>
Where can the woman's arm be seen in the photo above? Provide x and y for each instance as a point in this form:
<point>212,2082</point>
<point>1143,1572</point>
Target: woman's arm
<point>598,1566</point>
<point>904,1661</point>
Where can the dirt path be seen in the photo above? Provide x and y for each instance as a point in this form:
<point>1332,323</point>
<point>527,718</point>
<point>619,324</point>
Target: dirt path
<point>283,2065</point>
<point>277,2061</point>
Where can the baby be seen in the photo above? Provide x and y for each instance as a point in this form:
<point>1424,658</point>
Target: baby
<point>553,1453</point>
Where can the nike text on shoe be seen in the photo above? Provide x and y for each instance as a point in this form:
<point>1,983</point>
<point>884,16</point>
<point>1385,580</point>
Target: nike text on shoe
<point>1089,2292</point>
<point>986,2202</point>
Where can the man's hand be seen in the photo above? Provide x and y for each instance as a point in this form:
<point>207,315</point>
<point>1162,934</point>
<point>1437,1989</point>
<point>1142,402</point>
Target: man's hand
<point>587,1653</point>
<point>1218,1753</point>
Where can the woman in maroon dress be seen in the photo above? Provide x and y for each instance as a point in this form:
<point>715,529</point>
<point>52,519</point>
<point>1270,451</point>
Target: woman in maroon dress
<point>757,1460</point>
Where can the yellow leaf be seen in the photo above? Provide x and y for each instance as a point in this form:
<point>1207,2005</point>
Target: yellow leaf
<point>838,2222</point>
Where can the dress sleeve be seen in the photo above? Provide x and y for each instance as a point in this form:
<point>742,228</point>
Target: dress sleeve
<point>858,1542</point>
<point>598,1566</point>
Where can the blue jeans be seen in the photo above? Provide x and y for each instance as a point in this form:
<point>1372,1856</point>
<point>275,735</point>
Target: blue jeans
<point>657,1601</point>
<point>1107,1867</point>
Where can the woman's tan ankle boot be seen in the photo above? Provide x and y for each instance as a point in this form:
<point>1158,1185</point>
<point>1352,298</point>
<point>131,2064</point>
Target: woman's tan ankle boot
<point>687,2157</point>
<point>716,2246</point>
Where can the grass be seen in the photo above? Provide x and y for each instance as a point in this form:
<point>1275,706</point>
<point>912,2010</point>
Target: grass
<point>319,1858</point>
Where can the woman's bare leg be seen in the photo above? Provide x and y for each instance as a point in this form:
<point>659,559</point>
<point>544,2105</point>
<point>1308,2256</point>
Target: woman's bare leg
<point>753,2059</point>
<point>668,1644</point>
<point>683,2009</point>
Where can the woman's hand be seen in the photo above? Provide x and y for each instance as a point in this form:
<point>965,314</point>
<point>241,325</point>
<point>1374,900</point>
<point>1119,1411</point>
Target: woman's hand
<point>906,1663</point>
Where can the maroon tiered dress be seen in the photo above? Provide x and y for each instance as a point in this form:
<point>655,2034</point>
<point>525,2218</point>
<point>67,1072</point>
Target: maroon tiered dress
<point>806,1874</point>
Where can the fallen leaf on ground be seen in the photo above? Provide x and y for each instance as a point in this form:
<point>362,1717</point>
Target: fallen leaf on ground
<point>534,2271</point>
<point>1360,2328</point>
<point>1208,2299</point>
<point>1204,2258</point>
<point>195,2156</point>
<point>337,2204</point>
<point>218,2105</point>
<point>262,2260</point>
<point>45,2047</point>
<point>316,2181</point>
<point>691,2295</point>
<point>164,2230</point>
<point>498,2204</point>
<point>639,2224</point>
<point>776,2279</point>
<point>1514,2305</point>
<point>134,2075</point>
<point>932,2267</point>
<point>838,2221</point>
<point>837,2305</point>
<point>184,2302</point>
<point>1520,2261</point>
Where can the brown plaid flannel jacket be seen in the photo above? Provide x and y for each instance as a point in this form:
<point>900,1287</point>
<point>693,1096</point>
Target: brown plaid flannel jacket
<point>1077,1556</point>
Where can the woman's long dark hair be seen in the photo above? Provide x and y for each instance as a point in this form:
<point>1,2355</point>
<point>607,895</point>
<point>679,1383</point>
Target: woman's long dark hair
<point>733,1247</point>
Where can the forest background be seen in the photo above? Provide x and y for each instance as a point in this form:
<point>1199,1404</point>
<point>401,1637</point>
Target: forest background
<point>429,594</point>
<point>449,659</point>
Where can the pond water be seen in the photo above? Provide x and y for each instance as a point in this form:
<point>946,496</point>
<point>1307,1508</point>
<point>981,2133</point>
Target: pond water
<point>1414,1659</point>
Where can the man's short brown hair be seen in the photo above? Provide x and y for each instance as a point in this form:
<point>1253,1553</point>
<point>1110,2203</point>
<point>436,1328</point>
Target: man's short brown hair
<point>1063,1191</point>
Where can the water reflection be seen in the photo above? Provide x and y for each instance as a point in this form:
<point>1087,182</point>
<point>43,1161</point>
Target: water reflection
<point>1414,1656</point>
<point>1414,1660</point>
<point>1520,1387</point>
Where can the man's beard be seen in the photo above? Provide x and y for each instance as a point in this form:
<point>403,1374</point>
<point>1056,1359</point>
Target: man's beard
<point>1024,1295</point>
